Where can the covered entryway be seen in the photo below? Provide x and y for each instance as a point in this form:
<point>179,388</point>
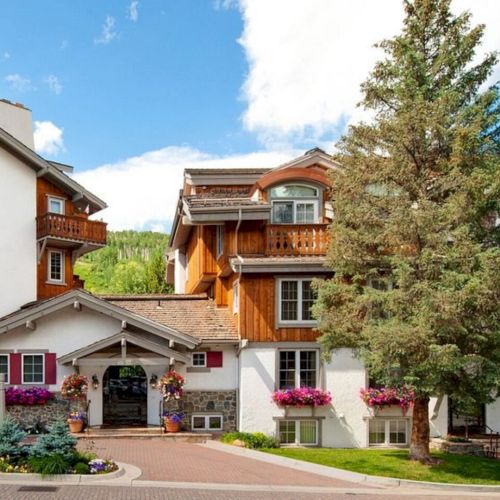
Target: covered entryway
<point>125,396</point>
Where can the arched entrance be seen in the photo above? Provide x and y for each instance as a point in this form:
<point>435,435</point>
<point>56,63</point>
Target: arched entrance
<point>125,396</point>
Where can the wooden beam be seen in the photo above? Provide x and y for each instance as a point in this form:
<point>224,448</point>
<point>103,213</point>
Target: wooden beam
<point>119,361</point>
<point>77,306</point>
<point>172,362</point>
<point>124,325</point>
<point>171,344</point>
<point>124,348</point>
<point>31,325</point>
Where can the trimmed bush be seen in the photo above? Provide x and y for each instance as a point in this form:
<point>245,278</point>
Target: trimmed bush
<point>57,441</point>
<point>10,437</point>
<point>253,440</point>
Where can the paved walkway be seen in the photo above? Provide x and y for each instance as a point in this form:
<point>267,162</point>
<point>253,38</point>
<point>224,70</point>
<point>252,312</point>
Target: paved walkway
<point>186,462</point>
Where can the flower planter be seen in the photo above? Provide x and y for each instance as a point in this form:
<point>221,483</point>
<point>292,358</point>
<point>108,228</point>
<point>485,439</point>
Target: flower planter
<point>75,426</point>
<point>172,426</point>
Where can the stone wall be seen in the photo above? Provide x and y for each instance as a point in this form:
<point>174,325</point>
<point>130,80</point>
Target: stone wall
<point>207,402</point>
<point>36,418</point>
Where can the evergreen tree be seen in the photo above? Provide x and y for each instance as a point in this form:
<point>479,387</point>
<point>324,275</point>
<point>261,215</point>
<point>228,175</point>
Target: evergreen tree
<point>58,441</point>
<point>414,240</point>
<point>11,435</point>
<point>156,274</point>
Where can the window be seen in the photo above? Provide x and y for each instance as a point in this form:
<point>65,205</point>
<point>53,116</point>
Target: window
<point>296,298</point>
<point>4,366</point>
<point>206,422</point>
<point>298,368</point>
<point>33,369</point>
<point>219,240</point>
<point>298,432</point>
<point>385,432</point>
<point>236,297</point>
<point>56,266</point>
<point>199,359</point>
<point>55,205</point>
<point>294,204</point>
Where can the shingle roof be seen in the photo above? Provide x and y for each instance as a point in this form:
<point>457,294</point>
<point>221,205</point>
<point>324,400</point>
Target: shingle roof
<point>194,315</point>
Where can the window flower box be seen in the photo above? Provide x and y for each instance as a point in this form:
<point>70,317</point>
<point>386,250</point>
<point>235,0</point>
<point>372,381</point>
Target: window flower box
<point>304,396</point>
<point>27,397</point>
<point>378,398</point>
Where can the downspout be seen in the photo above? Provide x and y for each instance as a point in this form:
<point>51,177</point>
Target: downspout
<point>242,343</point>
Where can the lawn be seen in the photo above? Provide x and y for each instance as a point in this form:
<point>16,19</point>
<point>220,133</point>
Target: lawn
<point>394,463</point>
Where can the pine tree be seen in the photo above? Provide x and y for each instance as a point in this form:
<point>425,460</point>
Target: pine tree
<point>156,274</point>
<point>58,441</point>
<point>414,243</point>
<point>11,435</point>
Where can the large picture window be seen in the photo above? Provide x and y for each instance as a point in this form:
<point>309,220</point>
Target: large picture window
<point>296,298</point>
<point>33,369</point>
<point>388,432</point>
<point>298,432</point>
<point>298,368</point>
<point>294,204</point>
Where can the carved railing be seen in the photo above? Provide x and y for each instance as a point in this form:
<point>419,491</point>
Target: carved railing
<point>284,240</point>
<point>71,227</point>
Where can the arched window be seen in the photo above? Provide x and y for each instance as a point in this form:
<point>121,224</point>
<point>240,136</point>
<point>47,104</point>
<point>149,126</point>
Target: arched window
<point>294,204</point>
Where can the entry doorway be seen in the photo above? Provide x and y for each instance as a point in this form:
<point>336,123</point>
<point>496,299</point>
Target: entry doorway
<point>125,396</point>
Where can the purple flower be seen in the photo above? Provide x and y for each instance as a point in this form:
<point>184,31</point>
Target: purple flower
<point>28,396</point>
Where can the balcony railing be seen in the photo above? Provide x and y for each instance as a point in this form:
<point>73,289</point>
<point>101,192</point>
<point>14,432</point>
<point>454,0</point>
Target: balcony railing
<point>71,227</point>
<point>283,240</point>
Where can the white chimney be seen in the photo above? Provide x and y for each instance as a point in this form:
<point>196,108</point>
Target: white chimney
<point>16,120</point>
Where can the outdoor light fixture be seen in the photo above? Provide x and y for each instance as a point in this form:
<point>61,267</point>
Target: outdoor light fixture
<point>95,382</point>
<point>153,381</point>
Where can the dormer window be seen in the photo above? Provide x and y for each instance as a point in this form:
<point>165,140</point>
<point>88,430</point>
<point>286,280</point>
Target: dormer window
<point>294,204</point>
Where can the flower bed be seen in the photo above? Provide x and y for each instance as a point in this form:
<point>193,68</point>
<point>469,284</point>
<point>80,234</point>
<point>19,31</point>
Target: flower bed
<point>27,397</point>
<point>387,396</point>
<point>305,396</point>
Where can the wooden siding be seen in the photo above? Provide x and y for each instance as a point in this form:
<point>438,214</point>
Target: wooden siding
<point>44,189</point>
<point>257,318</point>
<point>202,263</point>
<point>46,290</point>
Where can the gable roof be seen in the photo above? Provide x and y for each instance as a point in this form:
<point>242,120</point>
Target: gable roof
<point>49,170</point>
<point>43,308</point>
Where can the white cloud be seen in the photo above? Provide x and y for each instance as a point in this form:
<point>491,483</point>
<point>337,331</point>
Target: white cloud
<point>307,60</point>
<point>142,191</point>
<point>6,55</point>
<point>133,11</point>
<point>54,84</point>
<point>19,83</point>
<point>108,32</point>
<point>48,138</point>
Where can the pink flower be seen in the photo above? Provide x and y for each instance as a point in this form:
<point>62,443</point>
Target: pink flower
<point>386,396</point>
<point>303,396</point>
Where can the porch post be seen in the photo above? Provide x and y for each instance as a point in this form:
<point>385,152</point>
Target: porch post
<point>2,396</point>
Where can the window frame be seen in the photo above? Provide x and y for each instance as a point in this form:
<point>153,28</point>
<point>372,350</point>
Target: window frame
<point>58,199</point>
<point>297,422</point>
<point>7,375</point>
<point>297,367</point>
<point>297,200</point>
<point>219,241</point>
<point>204,356</point>
<point>207,418</point>
<point>23,355</point>
<point>387,432</point>
<point>51,280</point>
<point>299,320</point>
<point>236,297</point>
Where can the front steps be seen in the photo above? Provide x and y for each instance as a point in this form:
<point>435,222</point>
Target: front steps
<point>143,433</point>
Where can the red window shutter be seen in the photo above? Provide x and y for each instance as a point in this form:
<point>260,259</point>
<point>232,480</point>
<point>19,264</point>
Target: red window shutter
<point>15,368</point>
<point>50,368</point>
<point>214,359</point>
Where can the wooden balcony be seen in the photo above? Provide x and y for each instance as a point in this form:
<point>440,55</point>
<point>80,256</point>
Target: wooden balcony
<point>294,240</point>
<point>71,228</point>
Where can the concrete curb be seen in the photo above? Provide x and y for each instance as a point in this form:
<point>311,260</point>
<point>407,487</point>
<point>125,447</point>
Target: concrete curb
<point>346,475</point>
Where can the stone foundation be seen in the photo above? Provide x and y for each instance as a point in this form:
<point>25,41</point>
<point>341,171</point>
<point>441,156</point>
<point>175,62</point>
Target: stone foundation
<point>36,418</point>
<point>207,402</point>
<point>471,448</point>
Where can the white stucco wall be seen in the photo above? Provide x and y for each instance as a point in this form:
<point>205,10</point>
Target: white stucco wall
<point>17,121</point>
<point>180,272</point>
<point>17,233</point>
<point>493,415</point>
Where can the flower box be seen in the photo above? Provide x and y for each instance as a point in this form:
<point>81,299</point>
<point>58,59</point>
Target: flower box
<point>27,397</point>
<point>304,396</point>
<point>377,399</point>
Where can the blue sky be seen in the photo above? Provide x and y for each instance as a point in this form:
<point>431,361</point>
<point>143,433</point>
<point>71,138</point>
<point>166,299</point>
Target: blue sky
<point>131,92</point>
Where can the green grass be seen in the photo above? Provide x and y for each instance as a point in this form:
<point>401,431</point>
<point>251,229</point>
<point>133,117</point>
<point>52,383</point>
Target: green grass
<point>394,463</point>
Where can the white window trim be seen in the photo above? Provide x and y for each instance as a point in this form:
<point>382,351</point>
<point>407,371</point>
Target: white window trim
<point>63,265</point>
<point>204,365</point>
<point>56,198</point>
<point>297,431</point>
<point>298,321</point>
<point>297,366</point>
<point>312,201</point>
<point>43,368</point>
<point>387,432</point>
<point>219,240</point>
<point>207,424</point>
<point>7,375</point>
<point>236,297</point>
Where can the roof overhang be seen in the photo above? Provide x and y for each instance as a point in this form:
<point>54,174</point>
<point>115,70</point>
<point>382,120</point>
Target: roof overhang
<point>287,265</point>
<point>82,298</point>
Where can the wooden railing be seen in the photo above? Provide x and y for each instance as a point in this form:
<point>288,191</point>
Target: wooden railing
<point>71,227</point>
<point>284,240</point>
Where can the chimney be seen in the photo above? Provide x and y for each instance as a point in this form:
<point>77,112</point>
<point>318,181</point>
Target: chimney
<point>16,120</point>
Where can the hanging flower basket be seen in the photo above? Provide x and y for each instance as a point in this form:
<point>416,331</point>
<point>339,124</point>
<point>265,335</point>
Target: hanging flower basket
<point>305,396</point>
<point>170,385</point>
<point>375,399</point>
<point>75,387</point>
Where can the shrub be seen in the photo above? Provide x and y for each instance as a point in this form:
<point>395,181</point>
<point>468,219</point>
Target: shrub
<point>82,456</point>
<point>10,437</point>
<point>50,464</point>
<point>253,440</point>
<point>57,441</point>
<point>81,468</point>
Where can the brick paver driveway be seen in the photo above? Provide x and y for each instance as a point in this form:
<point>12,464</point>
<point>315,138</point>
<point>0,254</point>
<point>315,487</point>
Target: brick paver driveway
<point>185,462</point>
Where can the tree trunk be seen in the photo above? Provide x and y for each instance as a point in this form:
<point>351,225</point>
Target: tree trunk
<point>420,433</point>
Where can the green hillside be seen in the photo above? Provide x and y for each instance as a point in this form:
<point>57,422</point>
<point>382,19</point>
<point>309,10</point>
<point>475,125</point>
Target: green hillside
<point>132,262</point>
